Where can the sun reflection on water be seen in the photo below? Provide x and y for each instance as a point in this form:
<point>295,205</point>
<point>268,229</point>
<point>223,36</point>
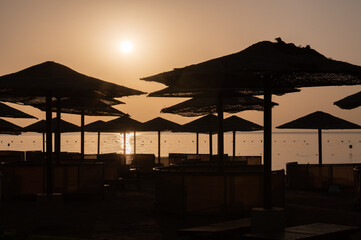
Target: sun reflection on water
<point>129,142</point>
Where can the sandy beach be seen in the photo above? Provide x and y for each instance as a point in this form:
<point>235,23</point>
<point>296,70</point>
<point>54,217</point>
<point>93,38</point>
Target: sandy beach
<point>129,214</point>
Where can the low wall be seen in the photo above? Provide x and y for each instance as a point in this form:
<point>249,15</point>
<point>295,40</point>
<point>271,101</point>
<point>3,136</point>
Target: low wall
<point>28,179</point>
<point>314,176</point>
<point>174,158</point>
<point>213,192</point>
<point>12,156</point>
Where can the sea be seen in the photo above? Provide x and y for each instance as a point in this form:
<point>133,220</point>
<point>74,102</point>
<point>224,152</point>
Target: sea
<point>296,146</point>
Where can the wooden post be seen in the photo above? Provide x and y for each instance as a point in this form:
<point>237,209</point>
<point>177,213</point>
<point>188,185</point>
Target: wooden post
<point>98,152</point>
<point>44,141</point>
<point>58,130</point>
<point>210,146</point>
<point>82,139</point>
<point>320,147</point>
<point>159,148</point>
<point>197,143</point>
<point>49,148</point>
<point>220,130</point>
<point>267,148</point>
<point>234,145</point>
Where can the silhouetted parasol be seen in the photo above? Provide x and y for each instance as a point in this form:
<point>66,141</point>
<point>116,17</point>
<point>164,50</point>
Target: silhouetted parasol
<point>52,80</point>
<point>159,124</point>
<point>207,124</point>
<point>234,124</point>
<point>82,106</point>
<point>123,124</point>
<point>9,128</point>
<point>40,127</point>
<point>97,127</point>
<point>264,66</point>
<point>320,120</point>
<point>199,106</point>
<point>7,111</point>
<point>350,102</point>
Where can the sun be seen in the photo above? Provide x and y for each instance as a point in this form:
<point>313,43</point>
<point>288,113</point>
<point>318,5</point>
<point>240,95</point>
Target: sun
<point>126,46</point>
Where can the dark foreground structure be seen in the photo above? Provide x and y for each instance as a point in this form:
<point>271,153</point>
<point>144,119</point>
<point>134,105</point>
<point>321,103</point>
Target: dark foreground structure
<point>128,212</point>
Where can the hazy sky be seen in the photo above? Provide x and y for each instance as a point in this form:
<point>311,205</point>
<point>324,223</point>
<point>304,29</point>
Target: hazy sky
<point>86,35</point>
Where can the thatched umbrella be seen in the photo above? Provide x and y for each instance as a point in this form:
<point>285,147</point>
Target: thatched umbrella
<point>9,128</point>
<point>264,66</point>
<point>206,124</point>
<point>159,124</point>
<point>48,80</point>
<point>97,127</point>
<point>123,124</point>
<point>234,124</point>
<point>320,120</point>
<point>89,107</point>
<point>7,111</point>
<point>350,102</point>
<point>40,127</point>
<point>199,106</point>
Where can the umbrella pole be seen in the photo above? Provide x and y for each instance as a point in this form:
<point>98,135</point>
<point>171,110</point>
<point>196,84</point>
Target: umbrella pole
<point>197,143</point>
<point>234,145</point>
<point>58,130</point>
<point>135,142</point>
<point>210,146</point>
<point>124,143</point>
<point>267,157</point>
<point>43,142</point>
<point>98,152</point>
<point>220,130</point>
<point>319,147</point>
<point>159,148</point>
<point>82,135</point>
<point>49,148</point>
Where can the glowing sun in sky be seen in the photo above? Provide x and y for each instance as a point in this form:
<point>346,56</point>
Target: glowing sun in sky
<point>126,46</point>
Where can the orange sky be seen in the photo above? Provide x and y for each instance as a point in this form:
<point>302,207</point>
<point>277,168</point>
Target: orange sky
<point>85,35</point>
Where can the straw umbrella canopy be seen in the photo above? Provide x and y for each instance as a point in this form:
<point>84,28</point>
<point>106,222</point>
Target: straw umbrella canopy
<point>89,107</point>
<point>263,66</point>
<point>10,112</point>
<point>7,111</point>
<point>123,124</point>
<point>234,124</point>
<point>48,80</point>
<point>159,125</point>
<point>319,120</point>
<point>350,102</point>
<point>199,106</point>
<point>7,127</point>
<point>97,127</point>
<point>40,127</point>
<point>206,124</point>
